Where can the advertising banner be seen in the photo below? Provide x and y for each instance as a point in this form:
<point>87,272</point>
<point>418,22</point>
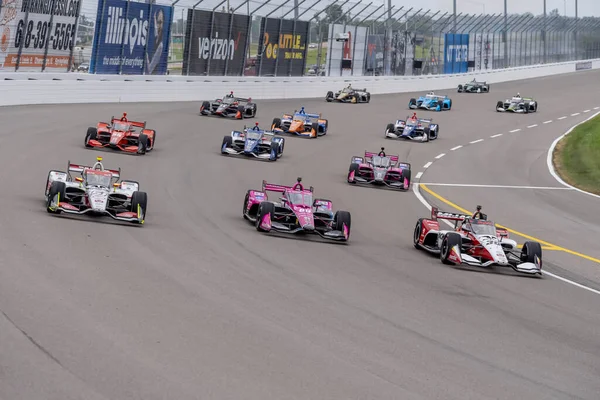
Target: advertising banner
<point>283,45</point>
<point>215,43</point>
<point>346,50</point>
<point>131,38</point>
<point>34,29</point>
<point>456,53</point>
<point>374,57</point>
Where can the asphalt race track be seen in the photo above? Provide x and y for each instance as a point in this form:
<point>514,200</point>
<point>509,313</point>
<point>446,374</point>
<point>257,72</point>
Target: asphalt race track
<point>198,305</point>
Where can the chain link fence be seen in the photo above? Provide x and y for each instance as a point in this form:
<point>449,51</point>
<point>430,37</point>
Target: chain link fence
<point>279,38</point>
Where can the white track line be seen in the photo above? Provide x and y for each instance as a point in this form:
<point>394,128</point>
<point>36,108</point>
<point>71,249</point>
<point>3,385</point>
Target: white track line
<point>575,114</point>
<point>560,278</point>
<point>419,175</point>
<point>440,156</point>
<point>476,141</point>
<point>515,130</point>
<point>427,165</point>
<point>596,108</point>
<point>532,126</point>
<point>494,136</point>
<point>497,186</point>
<point>547,122</point>
<point>586,111</point>
<point>456,147</point>
<point>550,165</point>
<point>562,117</point>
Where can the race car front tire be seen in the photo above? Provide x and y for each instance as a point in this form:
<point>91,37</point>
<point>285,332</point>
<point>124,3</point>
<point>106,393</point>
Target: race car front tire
<point>227,142</point>
<point>450,240</point>
<point>205,106</point>
<point>406,173</point>
<point>315,130</point>
<point>417,233</point>
<point>142,143</point>
<point>329,97</point>
<point>276,123</point>
<point>56,188</point>
<point>353,168</point>
<point>499,105</point>
<point>340,218</point>
<point>92,134</point>
<point>265,208</point>
<point>274,153</point>
<point>530,250</point>
<point>141,199</point>
<point>390,128</point>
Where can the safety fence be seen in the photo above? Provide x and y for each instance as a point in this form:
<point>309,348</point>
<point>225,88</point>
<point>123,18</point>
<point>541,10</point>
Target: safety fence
<point>261,38</point>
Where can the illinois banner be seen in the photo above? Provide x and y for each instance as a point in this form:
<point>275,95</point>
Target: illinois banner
<point>215,43</point>
<point>131,38</point>
<point>37,34</point>
<point>346,50</point>
<point>282,47</point>
<point>456,53</point>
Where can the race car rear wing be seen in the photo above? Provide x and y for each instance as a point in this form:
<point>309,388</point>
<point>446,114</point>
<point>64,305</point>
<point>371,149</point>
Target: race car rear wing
<point>271,187</point>
<point>437,214</point>
<point>136,124</point>
<point>369,154</point>
<point>116,173</point>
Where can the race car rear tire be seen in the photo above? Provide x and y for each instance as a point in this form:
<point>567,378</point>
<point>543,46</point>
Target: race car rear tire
<point>530,250</point>
<point>92,134</point>
<point>263,209</point>
<point>390,128</point>
<point>205,106</point>
<point>56,188</point>
<point>417,233</point>
<point>142,143</point>
<point>141,199</point>
<point>340,218</point>
<point>450,240</point>
<point>329,96</point>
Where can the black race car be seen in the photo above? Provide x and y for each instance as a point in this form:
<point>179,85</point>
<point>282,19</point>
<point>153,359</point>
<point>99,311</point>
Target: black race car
<point>474,87</point>
<point>229,106</point>
<point>349,95</point>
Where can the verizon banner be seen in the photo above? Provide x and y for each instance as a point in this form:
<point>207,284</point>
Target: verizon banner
<point>215,43</point>
<point>347,48</point>
<point>282,47</point>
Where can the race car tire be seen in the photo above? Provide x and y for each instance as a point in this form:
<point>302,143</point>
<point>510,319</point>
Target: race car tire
<point>152,141</point>
<point>368,97</point>
<point>499,104</point>
<point>526,107</point>
<point>276,123</point>
<point>56,188</point>
<point>407,173</point>
<point>353,168</point>
<point>450,240</point>
<point>315,130</point>
<point>390,128</point>
<point>426,132</point>
<point>141,199</point>
<point>142,143</point>
<point>460,88</point>
<point>241,110</point>
<point>417,233</point>
<point>245,206</point>
<point>487,88</point>
<point>329,97</point>
<point>254,110</point>
<point>530,250</point>
<point>412,102</point>
<point>281,147</point>
<point>205,106</point>
<point>340,218</point>
<point>273,154</point>
<point>92,134</point>
<point>263,209</point>
<point>227,142</point>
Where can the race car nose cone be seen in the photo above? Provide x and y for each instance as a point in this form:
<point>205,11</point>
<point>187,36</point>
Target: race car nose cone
<point>308,227</point>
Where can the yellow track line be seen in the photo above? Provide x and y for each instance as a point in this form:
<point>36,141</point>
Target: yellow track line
<point>546,245</point>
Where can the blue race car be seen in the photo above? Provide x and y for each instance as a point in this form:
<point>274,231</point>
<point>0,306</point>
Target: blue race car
<point>431,102</point>
<point>300,123</point>
<point>253,142</point>
<point>413,128</point>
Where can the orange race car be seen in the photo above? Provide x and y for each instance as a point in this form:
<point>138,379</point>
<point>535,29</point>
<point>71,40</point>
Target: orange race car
<point>121,134</point>
<point>300,123</point>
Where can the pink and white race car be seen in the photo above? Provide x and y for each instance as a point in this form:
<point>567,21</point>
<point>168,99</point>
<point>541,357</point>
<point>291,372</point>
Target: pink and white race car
<point>381,170</point>
<point>296,212</point>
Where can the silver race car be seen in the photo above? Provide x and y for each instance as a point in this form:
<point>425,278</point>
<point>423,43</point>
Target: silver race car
<point>413,128</point>
<point>95,193</point>
<point>518,104</point>
<point>254,142</point>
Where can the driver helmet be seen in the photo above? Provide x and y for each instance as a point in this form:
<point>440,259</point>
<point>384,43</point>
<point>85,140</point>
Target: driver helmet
<point>230,94</point>
<point>124,117</point>
<point>298,185</point>
<point>256,128</point>
<point>302,111</point>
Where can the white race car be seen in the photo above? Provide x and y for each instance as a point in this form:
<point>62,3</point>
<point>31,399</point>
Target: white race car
<point>95,193</point>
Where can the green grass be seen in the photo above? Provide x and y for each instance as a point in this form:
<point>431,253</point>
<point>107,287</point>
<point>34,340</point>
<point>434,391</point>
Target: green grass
<point>577,156</point>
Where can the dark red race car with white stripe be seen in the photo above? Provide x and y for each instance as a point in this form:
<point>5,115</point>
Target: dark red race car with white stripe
<point>475,242</point>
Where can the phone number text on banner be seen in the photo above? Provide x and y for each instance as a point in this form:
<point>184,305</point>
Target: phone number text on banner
<point>40,30</point>
<point>131,38</point>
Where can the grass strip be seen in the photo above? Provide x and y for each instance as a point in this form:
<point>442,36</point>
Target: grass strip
<point>576,157</point>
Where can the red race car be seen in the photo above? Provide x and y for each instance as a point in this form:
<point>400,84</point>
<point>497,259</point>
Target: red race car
<point>476,242</point>
<point>121,134</point>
